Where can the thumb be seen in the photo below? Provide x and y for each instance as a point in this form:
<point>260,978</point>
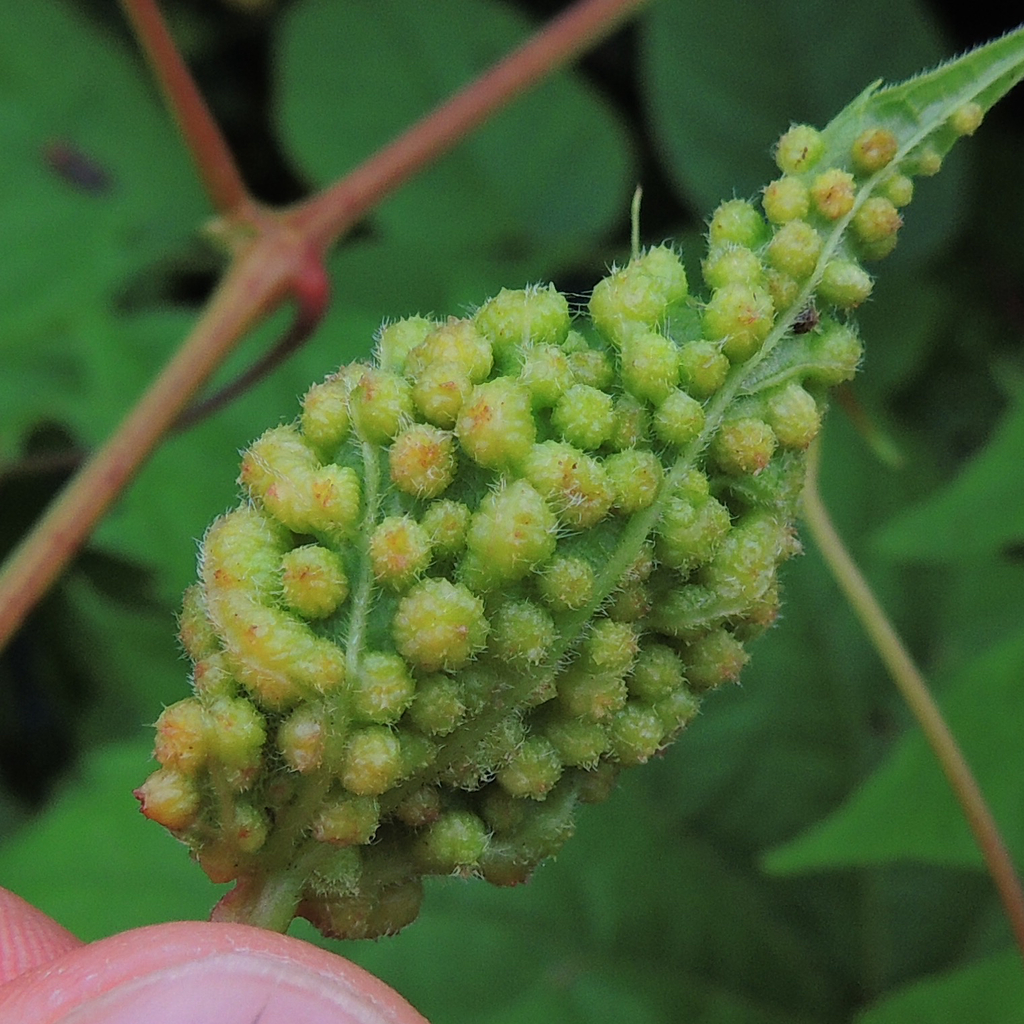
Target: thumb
<point>202,972</point>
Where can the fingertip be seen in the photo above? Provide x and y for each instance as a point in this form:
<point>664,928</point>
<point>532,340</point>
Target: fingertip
<point>28,937</point>
<point>205,973</point>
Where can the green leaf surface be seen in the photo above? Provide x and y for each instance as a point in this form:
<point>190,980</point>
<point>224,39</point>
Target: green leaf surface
<point>988,992</point>
<point>68,864</point>
<point>725,79</point>
<point>977,514</point>
<point>94,187</point>
<point>637,920</point>
<point>905,810</point>
<point>553,166</point>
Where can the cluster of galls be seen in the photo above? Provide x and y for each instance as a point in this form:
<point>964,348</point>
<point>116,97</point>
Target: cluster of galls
<point>480,576</point>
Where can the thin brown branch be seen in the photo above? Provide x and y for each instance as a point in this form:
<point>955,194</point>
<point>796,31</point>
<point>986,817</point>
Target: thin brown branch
<point>337,208</point>
<point>312,294</point>
<point>915,692</point>
<point>210,153</point>
<point>273,264</point>
<point>252,286</point>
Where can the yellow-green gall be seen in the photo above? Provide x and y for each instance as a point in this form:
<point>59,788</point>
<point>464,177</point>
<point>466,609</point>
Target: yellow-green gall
<point>522,633</point>
<point>574,483</point>
<point>302,739</point>
<point>833,193</point>
<point>382,689</point>
<point>372,761</point>
<point>677,710</point>
<point>422,460</point>
<point>657,673</point>
<point>456,344</point>
<point>873,149</point>
<point>439,624</point>
<point>396,340</point>
<point>650,366</point>
<point>583,416</point>
<point>836,353</point>
<point>794,415</point>
<point>635,477</point>
<point>925,161</point>
<point>744,567</point>
<point>511,533</point>
<point>446,523</point>
<point>785,199</point>
<point>439,393</point>
<point>591,366</point>
<point>533,770</point>
<point>743,445</point>
<point>578,743</point>
<point>325,419</point>
<point>249,829</point>
<point>496,426</point>
<point>195,630</point>
<point>420,808</point>
<point>170,798</point>
<point>783,289</point>
<point>640,295</point>
<point>241,555</point>
<point>844,283</point>
<point>284,473</point>
<point>567,583</point>
<point>799,149</point>
<point>399,551</point>
<point>419,752</point>
<point>731,264</point>
<point>590,696</point>
<point>741,317</point>
<point>795,248</point>
<point>635,734</point>
<point>456,840</point>
<point>703,368</point>
<point>875,226</point>
<point>438,707</point>
<point>212,678</point>
<point>899,190</point>
<point>691,530</point>
<point>713,659</point>
<point>631,422</point>
<point>380,404</point>
<point>347,821</point>
<point>547,373</point>
<point>181,740</point>
<point>610,648</point>
<point>736,222</point>
<point>237,732</point>
<point>527,316</point>
<point>313,581</point>
<point>966,119</point>
<point>679,419</point>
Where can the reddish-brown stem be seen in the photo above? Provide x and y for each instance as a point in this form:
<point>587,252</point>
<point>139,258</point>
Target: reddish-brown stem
<point>217,168</point>
<point>273,257</point>
<point>335,209</point>
<point>253,286</point>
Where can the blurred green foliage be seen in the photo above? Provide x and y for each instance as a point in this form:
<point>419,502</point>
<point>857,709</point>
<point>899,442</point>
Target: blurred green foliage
<point>796,857</point>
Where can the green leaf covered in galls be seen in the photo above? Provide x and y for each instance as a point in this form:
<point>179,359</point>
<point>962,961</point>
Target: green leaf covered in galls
<point>506,560</point>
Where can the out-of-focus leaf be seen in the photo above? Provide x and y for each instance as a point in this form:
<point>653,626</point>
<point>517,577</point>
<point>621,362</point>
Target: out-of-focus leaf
<point>724,80</point>
<point>905,810</point>
<point>554,165</point>
<point>976,514</point>
<point>988,992</point>
<point>93,187</point>
<point>95,863</point>
<point>636,911</point>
